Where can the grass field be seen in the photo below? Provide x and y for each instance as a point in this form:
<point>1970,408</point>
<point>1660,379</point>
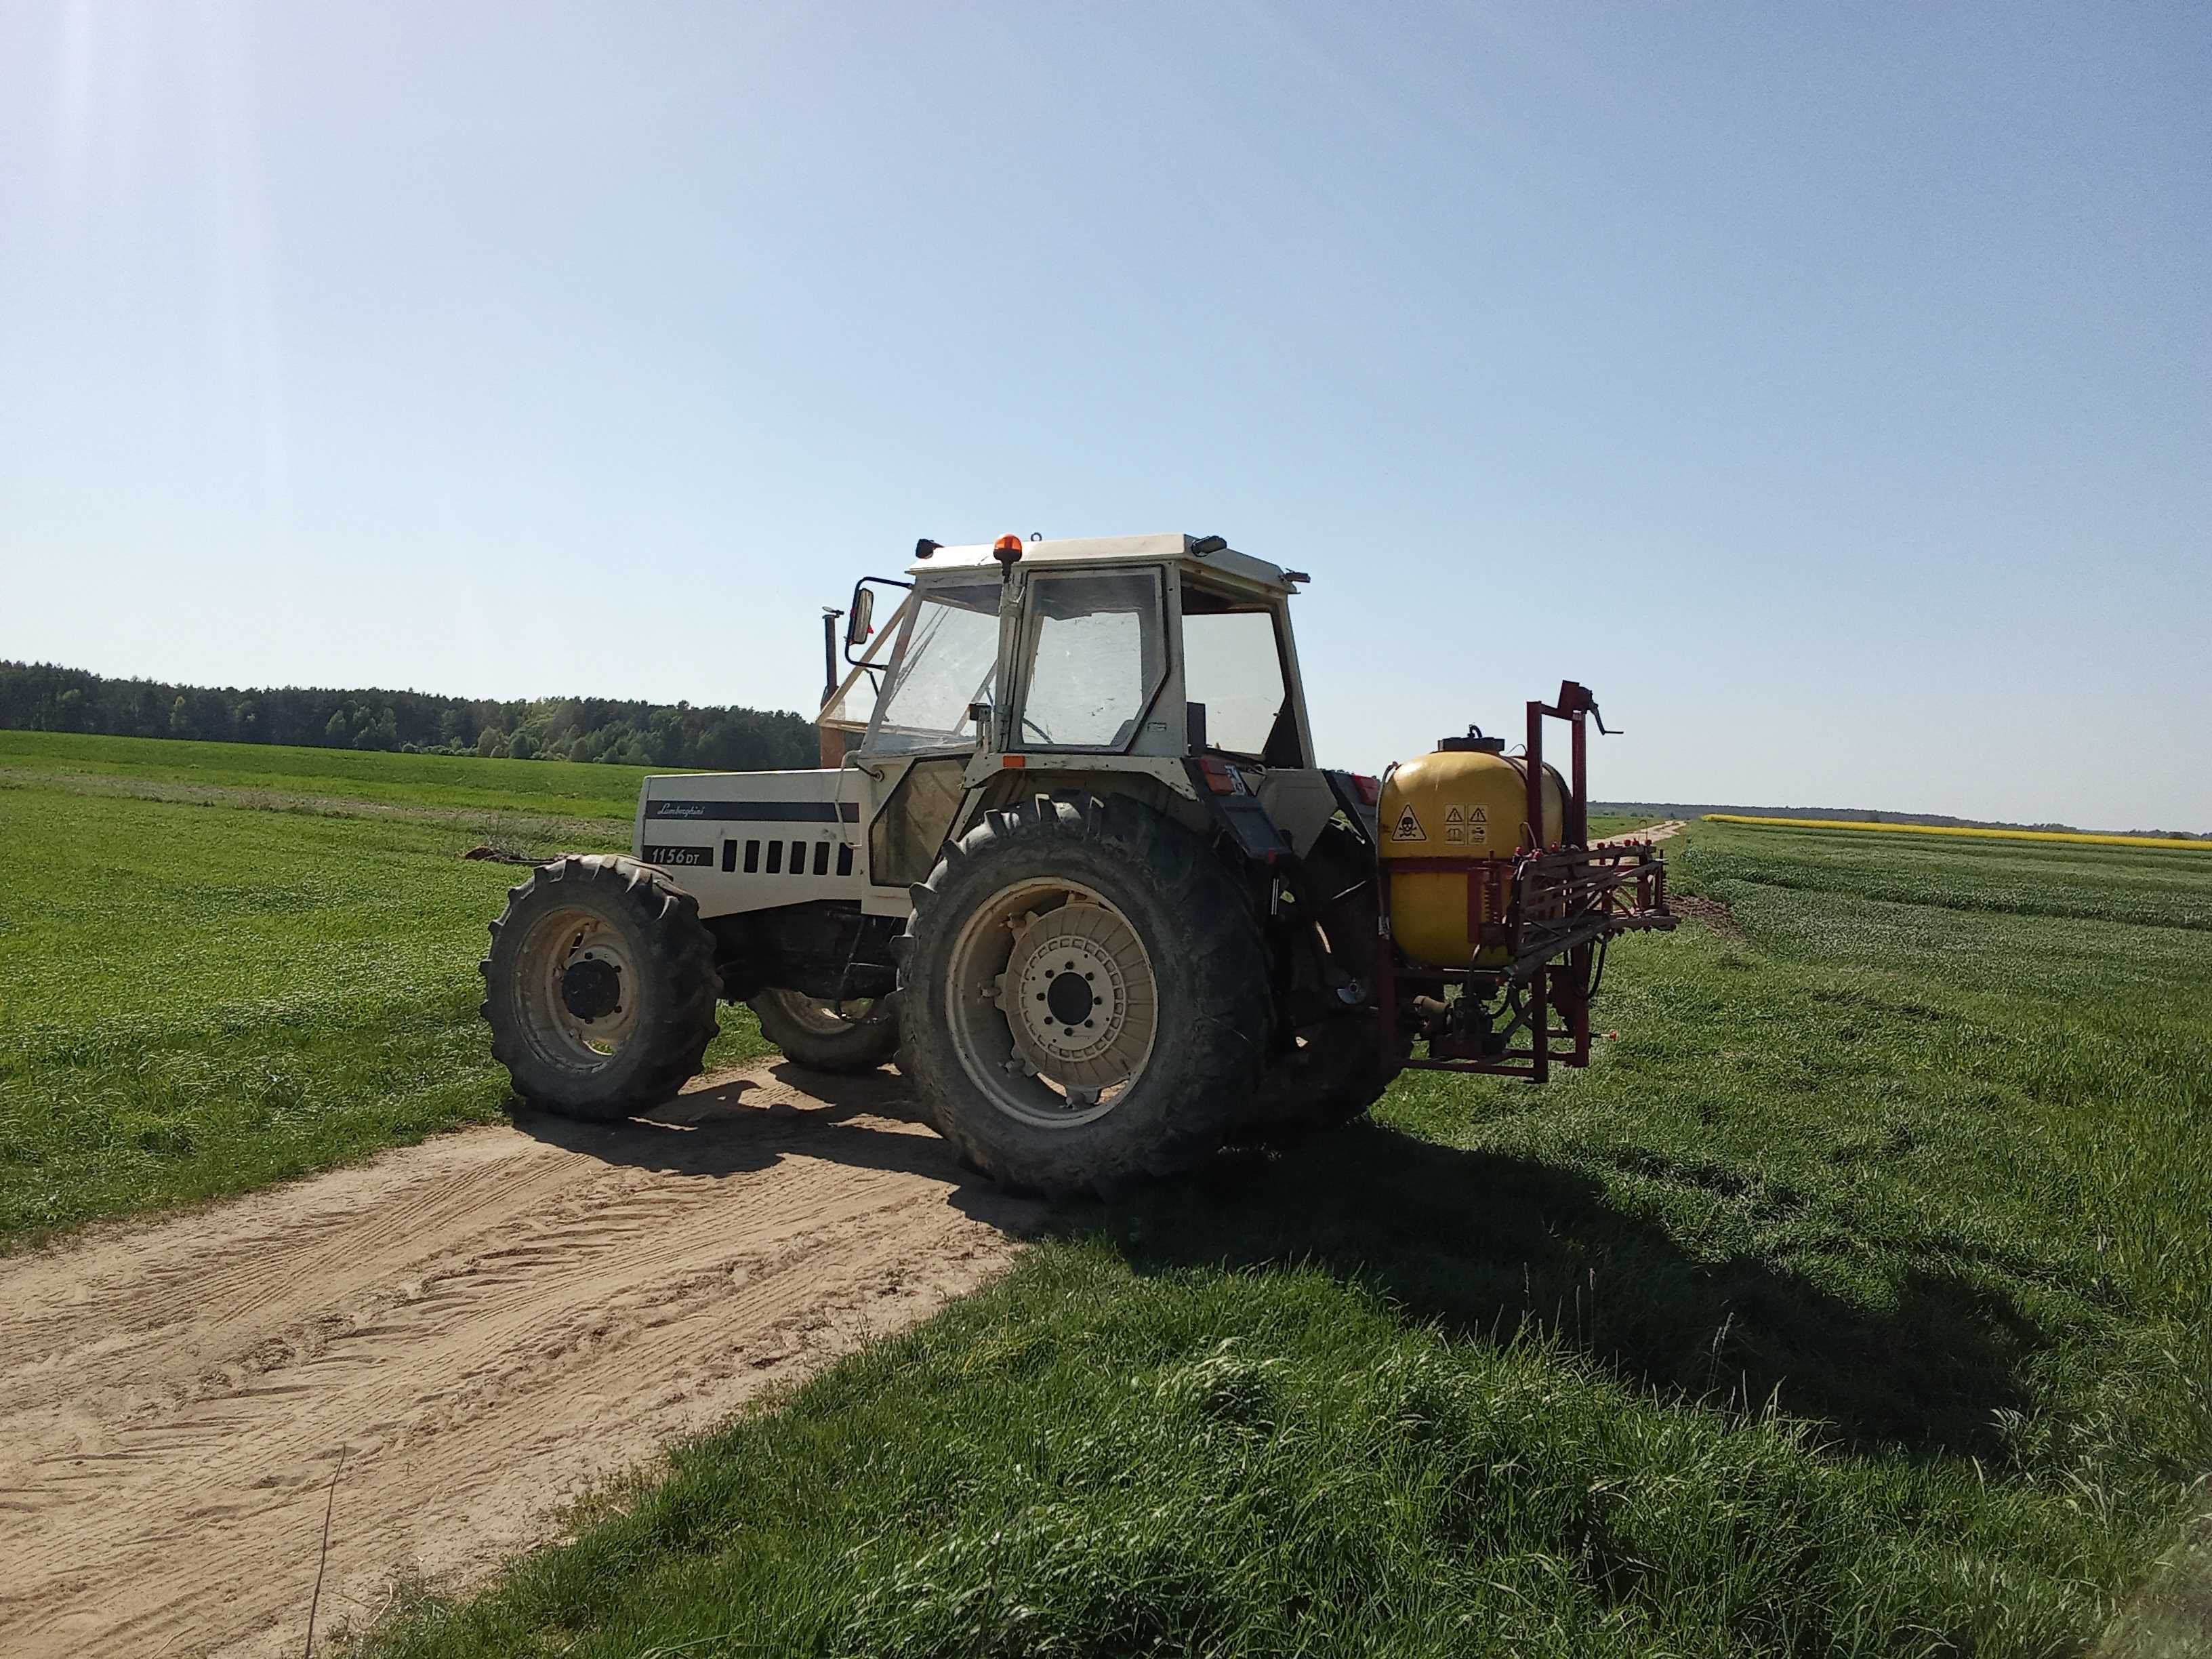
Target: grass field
<point>451,782</point>
<point>1616,823</point>
<point>1859,1300</point>
<point>1969,832</point>
<point>1857,1303</point>
<point>199,996</point>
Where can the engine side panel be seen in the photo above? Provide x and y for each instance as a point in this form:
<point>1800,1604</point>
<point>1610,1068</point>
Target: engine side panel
<point>756,840</point>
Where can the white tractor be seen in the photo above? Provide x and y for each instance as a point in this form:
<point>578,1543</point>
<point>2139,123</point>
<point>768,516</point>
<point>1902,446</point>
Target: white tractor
<point>1070,863</point>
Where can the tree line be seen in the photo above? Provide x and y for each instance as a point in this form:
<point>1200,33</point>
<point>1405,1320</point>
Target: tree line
<point>46,697</point>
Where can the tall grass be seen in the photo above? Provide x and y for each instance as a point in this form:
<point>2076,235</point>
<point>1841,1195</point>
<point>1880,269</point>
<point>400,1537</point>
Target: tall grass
<point>195,1000</point>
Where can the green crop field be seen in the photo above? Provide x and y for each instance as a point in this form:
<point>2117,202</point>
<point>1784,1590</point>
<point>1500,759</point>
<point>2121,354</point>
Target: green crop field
<point>223,964</point>
<point>1858,1300</point>
<point>456,783</point>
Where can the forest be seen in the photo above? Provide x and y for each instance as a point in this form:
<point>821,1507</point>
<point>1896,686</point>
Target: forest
<point>46,697</point>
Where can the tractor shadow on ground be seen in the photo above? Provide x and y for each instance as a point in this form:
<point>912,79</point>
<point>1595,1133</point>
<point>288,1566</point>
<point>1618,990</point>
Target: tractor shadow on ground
<point>1482,1246</point>
<point>1479,1244</point>
<point>741,1125</point>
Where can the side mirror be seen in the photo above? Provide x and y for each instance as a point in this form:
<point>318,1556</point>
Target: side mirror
<point>861,617</point>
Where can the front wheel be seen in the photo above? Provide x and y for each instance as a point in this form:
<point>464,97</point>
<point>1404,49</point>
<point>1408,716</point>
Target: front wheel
<point>1084,995</point>
<point>1330,1076</point>
<point>600,988</point>
<point>830,1036</point>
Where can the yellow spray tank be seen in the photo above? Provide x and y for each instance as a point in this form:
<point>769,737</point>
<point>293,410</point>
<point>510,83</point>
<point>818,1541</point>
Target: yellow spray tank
<point>1469,799</point>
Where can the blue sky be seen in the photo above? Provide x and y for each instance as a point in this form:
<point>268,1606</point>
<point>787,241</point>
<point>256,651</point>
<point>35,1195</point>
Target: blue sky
<point>1828,386</point>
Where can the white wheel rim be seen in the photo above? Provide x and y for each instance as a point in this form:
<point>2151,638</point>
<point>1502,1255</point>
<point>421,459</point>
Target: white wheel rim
<point>559,941</point>
<point>1053,1003</point>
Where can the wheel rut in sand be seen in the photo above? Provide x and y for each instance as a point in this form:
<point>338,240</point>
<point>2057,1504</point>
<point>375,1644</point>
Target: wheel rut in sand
<point>486,1325</point>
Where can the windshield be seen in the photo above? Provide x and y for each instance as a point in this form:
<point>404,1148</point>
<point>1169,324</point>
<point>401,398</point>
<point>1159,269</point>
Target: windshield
<point>950,661</point>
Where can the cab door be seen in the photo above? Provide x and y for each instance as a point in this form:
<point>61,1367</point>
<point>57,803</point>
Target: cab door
<point>923,732</point>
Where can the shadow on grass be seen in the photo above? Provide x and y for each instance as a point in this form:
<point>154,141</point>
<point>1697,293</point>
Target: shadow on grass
<point>1481,1244</point>
<point>1475,1242</point>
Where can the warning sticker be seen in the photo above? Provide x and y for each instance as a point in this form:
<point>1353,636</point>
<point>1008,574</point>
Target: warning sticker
<point>1409,827</point>
<point>1470,815</point>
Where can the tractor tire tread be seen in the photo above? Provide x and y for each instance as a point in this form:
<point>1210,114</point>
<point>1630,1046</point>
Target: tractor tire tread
<point>675,948</point>
<point>866,1045</point>
<point>1207,943</point>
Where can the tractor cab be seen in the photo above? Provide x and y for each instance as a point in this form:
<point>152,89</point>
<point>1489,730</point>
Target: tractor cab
<point>1166,662</point>
<point>1157,647</point>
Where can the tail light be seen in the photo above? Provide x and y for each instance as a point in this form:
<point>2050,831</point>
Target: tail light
<point>1220,776</point>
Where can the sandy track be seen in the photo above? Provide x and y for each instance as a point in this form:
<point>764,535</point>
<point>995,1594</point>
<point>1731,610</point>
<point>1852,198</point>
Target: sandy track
<point>487,1324</point>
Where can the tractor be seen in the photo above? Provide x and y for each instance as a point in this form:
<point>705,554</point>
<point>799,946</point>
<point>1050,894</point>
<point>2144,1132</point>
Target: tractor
<point>1070,862</point>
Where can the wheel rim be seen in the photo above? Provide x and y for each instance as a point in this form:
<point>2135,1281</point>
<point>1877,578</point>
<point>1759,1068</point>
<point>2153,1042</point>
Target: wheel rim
<point>578,987</point>
<point>825,1017</point>
<point>1054,1003</point>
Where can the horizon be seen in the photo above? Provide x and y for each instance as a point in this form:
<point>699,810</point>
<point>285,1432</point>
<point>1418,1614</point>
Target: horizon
<point>1902,814</point>
<point>1828,393</point>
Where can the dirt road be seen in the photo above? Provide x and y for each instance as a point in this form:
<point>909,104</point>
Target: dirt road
<point>485,1325</point>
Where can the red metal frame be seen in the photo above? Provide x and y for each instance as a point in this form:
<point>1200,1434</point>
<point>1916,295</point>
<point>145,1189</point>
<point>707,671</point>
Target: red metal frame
<point>1552,907</point>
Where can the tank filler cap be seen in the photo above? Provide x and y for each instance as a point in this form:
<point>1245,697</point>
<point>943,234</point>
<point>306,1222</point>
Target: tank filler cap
<point>1473,743</point>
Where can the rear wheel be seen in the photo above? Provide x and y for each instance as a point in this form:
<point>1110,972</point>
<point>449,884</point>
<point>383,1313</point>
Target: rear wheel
<point>1084,995</point>
<point>856,1036</point>
<point>600,988</point>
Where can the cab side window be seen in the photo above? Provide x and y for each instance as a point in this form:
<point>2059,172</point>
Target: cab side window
<point>1096,656</point>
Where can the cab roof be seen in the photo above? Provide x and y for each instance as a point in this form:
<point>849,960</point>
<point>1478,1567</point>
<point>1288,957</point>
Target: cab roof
<point>1120,549</point>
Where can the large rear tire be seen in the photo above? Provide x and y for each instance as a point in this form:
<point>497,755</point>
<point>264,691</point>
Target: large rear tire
<point>829,1037</point>
<point>1082,995</point>
<point>600,988</point>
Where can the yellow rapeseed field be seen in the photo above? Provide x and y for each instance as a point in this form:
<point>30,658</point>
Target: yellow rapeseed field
<point>1951,829</point>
